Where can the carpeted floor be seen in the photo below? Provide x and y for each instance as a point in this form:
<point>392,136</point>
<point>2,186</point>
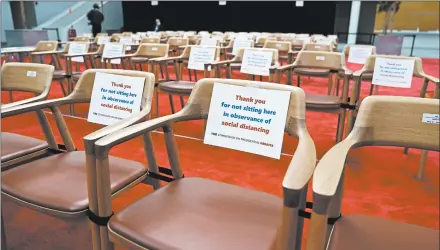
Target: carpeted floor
<point>379,181</point>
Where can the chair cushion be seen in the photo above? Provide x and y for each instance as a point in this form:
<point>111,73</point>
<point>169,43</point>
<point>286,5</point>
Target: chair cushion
<point>195,213</point>
<point>177,87</point>
<point>362,232</point>
<point>59,181</point>
<point>312,72</point>
<point>322,101</point>
<point>15,145</point>
<point>139,59</point>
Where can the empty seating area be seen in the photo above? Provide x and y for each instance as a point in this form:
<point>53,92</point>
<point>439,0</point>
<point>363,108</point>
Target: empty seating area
<point>218,140</point>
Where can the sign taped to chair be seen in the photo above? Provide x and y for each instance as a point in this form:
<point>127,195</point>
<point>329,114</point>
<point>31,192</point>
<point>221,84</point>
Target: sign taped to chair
<point>207,41</point>
<point>393,72</point>
<point>113,50</point>
<point>256,62</point>
<point>103,40</point>
<point>247,119</point>
<point>359,54</point>
<point>114,98</point>
<point>77,48</point>
<point>241,44</point>
<point>200,56</point>
<point>127,40</point>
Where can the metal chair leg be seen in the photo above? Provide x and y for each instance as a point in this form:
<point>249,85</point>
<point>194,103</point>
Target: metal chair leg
<point>182,102</point>
<point>3,244</point>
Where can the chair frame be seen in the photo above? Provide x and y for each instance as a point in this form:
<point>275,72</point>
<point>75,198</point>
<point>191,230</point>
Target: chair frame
<point>295,180</point>
<point>380,123</point>
<point>82,94</point>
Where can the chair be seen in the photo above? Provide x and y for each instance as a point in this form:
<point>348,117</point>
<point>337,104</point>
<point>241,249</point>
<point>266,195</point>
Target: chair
<point>81,39</point>
<point>61,179</point>
<point>333,63</point>
<point>144,53</point>
<point>382,121</point>
<point>25,77</point>
<point>175,44</point>
<point>367,72</point>
<point>154,40</point>
<point>196,213</point>
<point>283,47</point>
<point>235,63</point>
<point>260,41</point>
<point>346,53</point>
<point>178,87</point>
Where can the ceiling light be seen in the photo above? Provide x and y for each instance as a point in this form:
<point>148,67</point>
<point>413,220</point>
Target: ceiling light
<point>154,3</point>
<point>221,2</point>
<point>299,3</point>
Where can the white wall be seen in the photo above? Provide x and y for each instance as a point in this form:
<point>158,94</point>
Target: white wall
<point>47,10</point>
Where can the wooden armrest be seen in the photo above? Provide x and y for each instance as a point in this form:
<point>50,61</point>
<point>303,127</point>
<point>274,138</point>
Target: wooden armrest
<point>347,71</point>
<point>430,78</point>
<point>329,170</point>
<point>303,163</point>
<point>164,59</point>
<point>358,73</point>
<point>77,55</point>
<point>103,145</point>
<point>222,62</point>
<point>30,107</point>
<point>43,53</point>
<point>119,57</point>
<point>6,106</point>
<point>282,68</point>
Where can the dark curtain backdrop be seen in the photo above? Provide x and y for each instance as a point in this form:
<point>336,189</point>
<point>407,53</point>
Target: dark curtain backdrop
<point>268,16</point>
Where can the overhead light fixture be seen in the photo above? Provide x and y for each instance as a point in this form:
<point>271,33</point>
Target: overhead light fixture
<point>299,3</point>
<point>221,2</point>
<point>154,3</point>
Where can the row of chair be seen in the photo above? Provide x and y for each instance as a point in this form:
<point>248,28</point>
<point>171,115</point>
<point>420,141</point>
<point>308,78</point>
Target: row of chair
<point>195,213</point>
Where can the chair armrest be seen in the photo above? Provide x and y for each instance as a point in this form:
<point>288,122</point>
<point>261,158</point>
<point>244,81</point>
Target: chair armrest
<point>329,170</point>
<point>103,145</point>
<point>358,73</point>
<point>430,78</point>
<point>119,57</point>
<point>303,163</point>
<point>90,139</point>
<point>46,53</point>
<point>283,68</point>
<point>22,102</point>
<point>165,59</point>
<point>30,107</point>
<point>347,71</point>
<point>77,55</point>
<point>222,62</point>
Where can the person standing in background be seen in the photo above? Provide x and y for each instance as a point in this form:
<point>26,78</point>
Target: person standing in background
<point>158,26</point>
<point>95,19</point>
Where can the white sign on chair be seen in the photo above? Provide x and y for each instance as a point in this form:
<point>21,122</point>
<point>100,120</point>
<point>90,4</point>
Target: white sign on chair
<point>113,50</point>
<point>241,44</point>
<point>200,56</point>
<point>393,72</point>
<point>114,98</point>
<point>77,48</point>
<point>248,119</point>
<point>256,62</point>
<point>103,40</point>
<point>359,54</point>
<point>127,40</point>
<point>207,41</point>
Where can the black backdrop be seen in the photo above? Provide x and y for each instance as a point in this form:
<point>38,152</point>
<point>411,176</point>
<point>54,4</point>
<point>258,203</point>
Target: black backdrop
<point>267,16</point>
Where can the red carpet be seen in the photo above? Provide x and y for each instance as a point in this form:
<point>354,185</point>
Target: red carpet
<point>379,181</point>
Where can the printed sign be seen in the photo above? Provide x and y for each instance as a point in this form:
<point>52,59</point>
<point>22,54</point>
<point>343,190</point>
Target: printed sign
<point>31,74</point>
<point>77,48</point>
<point>114,98</point>
<point>112,50</point>
<point>103,40</point>
<point>241,44</point>
<point>206,41</point>
<point>127,41</point>
<point>247,119</point>
<point>431,118</point>
<point>200,56</point>
<point>359,54</point>
<point>256,62</point>
<point>393,72</point>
